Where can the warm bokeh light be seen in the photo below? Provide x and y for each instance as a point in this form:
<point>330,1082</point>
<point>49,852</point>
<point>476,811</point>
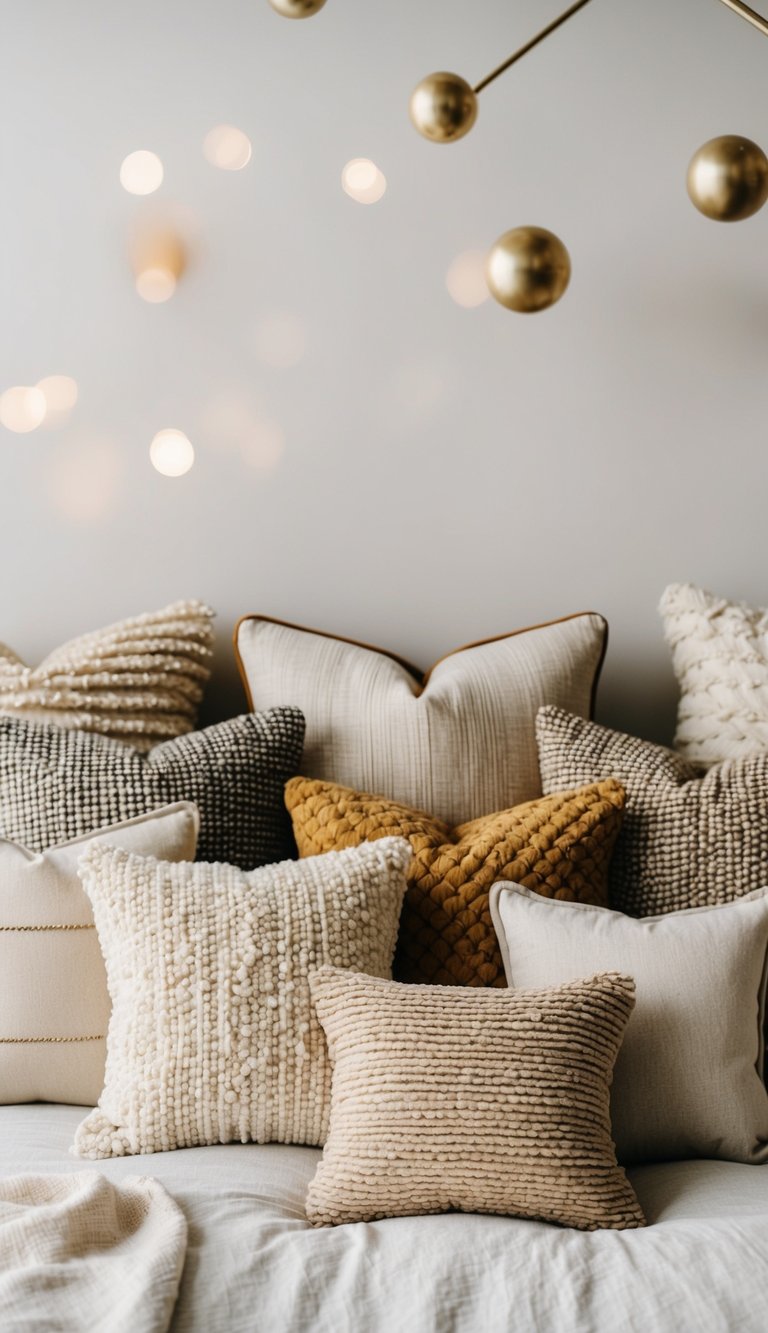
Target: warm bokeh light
<point>83,480</point>
<point>263,447</point>
<point>22,408</point>
<point>155,285</point>
<point>227,147</point>
<point>466,280</point>
<point>141,172</point>
<point>363,181</point>
<point>171,453</point>
<point>60,393</point>
<point>280,339</point>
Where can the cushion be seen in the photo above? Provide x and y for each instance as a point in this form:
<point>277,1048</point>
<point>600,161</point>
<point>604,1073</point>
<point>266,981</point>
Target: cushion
<point>688,1077</point>
<point>720,657</point>
<point>458,741</point>
<point>56,785</point>
<point>559,845</point>
<point>140,680</point>
<point>213,1037</point>
<point>481,1101</point>
<point>687,840</point>
<point>54,1003</point>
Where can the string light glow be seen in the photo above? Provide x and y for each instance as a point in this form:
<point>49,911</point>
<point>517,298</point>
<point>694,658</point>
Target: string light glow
<point>141,172</point>
<point>466,280</point>
<point>22,408</point>
<point>60,393</point>
<point>171,453</point>
<point>362,180</point>
<point>155,285</point>
<point>227,147</point>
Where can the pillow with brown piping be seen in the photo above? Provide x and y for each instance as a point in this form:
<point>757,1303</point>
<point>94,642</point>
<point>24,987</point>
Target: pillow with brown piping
<point>558,845</point>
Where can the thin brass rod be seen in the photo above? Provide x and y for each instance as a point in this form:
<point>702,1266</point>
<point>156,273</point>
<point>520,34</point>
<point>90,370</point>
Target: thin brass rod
<point>736,4</point>
<point>739,7</point>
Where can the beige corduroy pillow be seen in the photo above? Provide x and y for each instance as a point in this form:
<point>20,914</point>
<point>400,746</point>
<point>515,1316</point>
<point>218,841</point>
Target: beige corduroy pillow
<point>481,1101</point>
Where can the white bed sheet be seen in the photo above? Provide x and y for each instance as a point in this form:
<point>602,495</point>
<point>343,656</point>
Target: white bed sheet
<point>254,1264</point>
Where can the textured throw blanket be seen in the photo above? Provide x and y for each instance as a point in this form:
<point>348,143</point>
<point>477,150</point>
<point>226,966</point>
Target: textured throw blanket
<point>78,1253</point>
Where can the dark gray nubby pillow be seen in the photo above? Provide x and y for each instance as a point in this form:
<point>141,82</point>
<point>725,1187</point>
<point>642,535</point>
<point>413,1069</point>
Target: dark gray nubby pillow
<point>56,785</point>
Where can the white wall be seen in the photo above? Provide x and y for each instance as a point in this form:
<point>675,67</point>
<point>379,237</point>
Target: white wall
<point>448,474</point>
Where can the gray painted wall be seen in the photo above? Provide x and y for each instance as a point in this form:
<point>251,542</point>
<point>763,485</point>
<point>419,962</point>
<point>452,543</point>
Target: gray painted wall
<point>448,474</point>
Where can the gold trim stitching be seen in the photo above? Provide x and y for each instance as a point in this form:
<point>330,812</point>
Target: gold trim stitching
<point>84,926</point>
<point>23,1041</point>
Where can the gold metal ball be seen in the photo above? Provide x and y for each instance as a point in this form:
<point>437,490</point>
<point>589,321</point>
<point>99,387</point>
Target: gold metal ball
<point>728,178</point>
<point>443,107</point>
<point>528,269</point>
<point>297,9</point>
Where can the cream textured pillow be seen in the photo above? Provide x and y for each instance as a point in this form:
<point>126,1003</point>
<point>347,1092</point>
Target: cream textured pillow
<point>213,1036</point>
<point>140,680</point>
<point>54,1003</point>
<point>688,1078</point>
<point>686,840</point>
<point>720,656</point>
<point>482,1101</point>
<point>458,741</point>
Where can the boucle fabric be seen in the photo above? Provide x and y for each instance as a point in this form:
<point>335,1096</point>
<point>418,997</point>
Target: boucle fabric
<point>688,1078</point>
<point>139,681</point>
<point>720,657</point>
<point>213,1037</point>
<point>687,840</point>
<point>54,1002</point>
<point>559,845</point>
<point>56,785</point>
<point>79,1252</point>
<point>477,1101</point>
<point>458,741</point>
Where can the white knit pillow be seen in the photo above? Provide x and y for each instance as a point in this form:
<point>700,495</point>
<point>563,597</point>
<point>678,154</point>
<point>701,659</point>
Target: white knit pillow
<point>139,681</point>
<point>213,1035</point>
<point>720,657</point>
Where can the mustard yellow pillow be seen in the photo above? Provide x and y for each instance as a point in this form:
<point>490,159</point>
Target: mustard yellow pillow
<point>559,845</point>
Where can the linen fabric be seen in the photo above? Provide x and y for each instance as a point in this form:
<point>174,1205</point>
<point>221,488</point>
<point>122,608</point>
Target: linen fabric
<point>54,1002</point>
<point>56,785</point>
<point>720,657</point>
<point>213,1036</point>
<point>559,845</point>
<point>688,1077</point>
<point>458,741</point>
<point>480,1101</point>
<point>139,681</point>
<point>687,840</point>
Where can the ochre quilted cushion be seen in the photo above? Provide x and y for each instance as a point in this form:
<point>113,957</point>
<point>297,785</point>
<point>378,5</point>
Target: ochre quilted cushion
<point>558,845</point>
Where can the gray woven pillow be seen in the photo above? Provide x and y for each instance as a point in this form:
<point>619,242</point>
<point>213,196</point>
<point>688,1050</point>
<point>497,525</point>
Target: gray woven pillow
<point>56,785</point>
<point>687,840</point>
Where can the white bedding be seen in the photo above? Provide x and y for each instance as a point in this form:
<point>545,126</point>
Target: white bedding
<point>254,1264</point>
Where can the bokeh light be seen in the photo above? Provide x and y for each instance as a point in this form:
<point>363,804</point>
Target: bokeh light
<point>171,453</point>
<point>60,393</point>
<point>22,408</point>
<point>155,284</point>
<point>280,339</point>
<point>466,280</point>
<point>83,480</point>
<point>141,172</point>
<point>362,180</point>
<point>227,147</point>
<point>263,447</point>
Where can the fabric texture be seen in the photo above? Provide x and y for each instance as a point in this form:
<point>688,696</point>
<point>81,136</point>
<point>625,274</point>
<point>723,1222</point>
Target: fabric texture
<point>80,1254</point>
<point>720,657</point>
<point>213,1036</point>
<point>56,785</point>
<point>139,681</point>
<point>458,741</point>
<point>687,840</point>
<point>559,845</point>
<point>414,1067</point>
<point>54,1002</point>
<point>688,1077</point>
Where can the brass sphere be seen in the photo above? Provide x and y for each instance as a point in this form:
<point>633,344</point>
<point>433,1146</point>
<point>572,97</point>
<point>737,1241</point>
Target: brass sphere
<point>443,107</point>
<point>297,9</point>
<point>528,269</point>
<point>728,178</point>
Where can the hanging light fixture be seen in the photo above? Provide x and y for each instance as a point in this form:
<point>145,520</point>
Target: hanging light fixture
<point>297,9</point>
<point>728,178</point>
<point>528,269</point>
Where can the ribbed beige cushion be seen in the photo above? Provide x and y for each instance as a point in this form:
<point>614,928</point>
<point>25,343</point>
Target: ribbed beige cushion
<point>688,1078</point>
<point>458,741</point>
<point>478,1100</point>
<point>213,1037</point>
<point>720,656</point>
<point>138,681</point>
<point>54,1003</point>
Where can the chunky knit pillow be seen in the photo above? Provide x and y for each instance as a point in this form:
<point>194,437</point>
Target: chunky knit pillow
<point>481,1101</point>
<point>213,1036</point>
<point>559,845</point>
<point>56,785</point>
<point>140,680</point>
<point>720,656</point>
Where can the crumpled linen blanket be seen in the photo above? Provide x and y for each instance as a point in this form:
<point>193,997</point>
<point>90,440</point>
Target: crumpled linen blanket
<point>80,1254</point>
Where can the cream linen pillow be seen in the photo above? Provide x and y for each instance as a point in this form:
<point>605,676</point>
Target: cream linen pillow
<point>478,1100</point>
<point>688,1077</point>
<point>458,741</point>
<point>54,1003</point>
<point>213,1037</point>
